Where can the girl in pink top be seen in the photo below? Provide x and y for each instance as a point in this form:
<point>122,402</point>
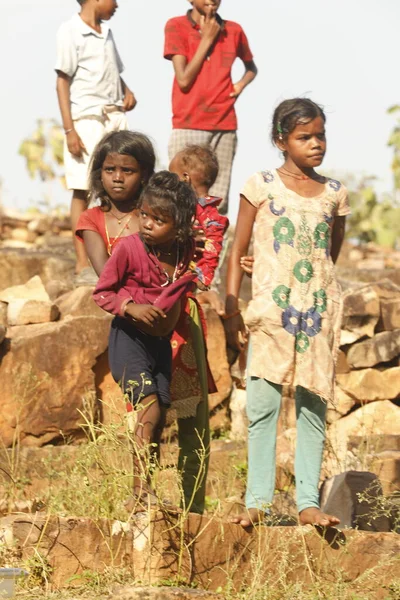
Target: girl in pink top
<point>144,283</point>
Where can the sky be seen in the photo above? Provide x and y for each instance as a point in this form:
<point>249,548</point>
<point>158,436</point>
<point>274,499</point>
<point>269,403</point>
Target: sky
<point>343,54</point>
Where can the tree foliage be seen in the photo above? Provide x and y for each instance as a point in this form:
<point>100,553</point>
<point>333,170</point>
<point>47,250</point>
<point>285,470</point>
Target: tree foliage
<point>394,142</point>
<point>43,151</point>
<point>372,220</point>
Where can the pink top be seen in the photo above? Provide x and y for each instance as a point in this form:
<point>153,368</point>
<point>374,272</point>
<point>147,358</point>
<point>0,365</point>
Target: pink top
<point>133,274</point>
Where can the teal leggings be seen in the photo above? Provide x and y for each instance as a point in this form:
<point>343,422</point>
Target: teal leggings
<point>263,406</point>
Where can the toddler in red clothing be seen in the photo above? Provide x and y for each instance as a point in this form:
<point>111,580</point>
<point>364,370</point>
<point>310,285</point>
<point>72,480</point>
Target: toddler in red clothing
<point>198,165</point>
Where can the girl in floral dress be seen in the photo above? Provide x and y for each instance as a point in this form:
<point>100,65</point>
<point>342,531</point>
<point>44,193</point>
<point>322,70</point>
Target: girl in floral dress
<point>293,319</point>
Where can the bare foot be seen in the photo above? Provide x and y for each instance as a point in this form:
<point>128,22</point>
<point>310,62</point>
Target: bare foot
<point>315,516</point>
<point>252,516</point>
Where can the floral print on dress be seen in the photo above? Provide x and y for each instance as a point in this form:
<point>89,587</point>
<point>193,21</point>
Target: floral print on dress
<point>294,315</point>
<point>334,184</point>
<point>267,176</point>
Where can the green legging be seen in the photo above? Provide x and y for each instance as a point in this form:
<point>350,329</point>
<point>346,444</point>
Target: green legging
<point>263,406</point>
<point>194,432</point>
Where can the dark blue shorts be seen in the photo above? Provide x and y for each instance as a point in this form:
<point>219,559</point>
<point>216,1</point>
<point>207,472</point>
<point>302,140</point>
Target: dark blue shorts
<point>141,364</point>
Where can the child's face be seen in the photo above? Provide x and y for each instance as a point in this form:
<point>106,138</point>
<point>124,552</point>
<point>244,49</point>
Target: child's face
<point>121,176</point>
<point>306,144</point>
<point>176,166</point>
<point>205,7</point>
<point>193,176</point>
<point>156,227</point>
<point>105,9</point>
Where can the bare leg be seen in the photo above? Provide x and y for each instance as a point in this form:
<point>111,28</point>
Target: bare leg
<point>78,205</point>
<point>147,427</point>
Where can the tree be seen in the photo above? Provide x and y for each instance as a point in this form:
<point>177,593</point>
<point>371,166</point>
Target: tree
<point>394,142</point>
<point>43,151</point>
<point>372,220</point>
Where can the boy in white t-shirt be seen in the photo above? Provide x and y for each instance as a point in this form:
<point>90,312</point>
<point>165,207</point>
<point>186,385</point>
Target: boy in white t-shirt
<point>93,98</point>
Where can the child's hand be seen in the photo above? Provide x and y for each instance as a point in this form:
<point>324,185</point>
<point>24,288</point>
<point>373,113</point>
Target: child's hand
<point>247,263</point>
<point>145,313</point>
<point>236,332</point>
<point>129,100</point>
<point>213,299</point>
<point>237,90</point>
<point>75,144</point>
<point>209,25</point>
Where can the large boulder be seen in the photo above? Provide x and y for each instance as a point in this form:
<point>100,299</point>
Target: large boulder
<point>206,552</point>
<point>79,303</point>
<point>33,289</point>
<point>46,378</point>
<point>376,418</point>
<point>353,497</point>
<point>217,357</point>
<point>368,385</point>
<point>383,347</point>
<point>17,266</point>
<point>26,312</point>
<point>390,311</point>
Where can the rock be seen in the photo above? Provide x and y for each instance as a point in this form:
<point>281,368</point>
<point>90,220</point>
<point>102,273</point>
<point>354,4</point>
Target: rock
<point>342,366</point>
<point>129,592</point>
<point>3,332</point>
<point>341,405</point>
<point>46,377</point>
<point>217,357</point>
<point>239,422</point>
<point>3,313</point>
<point>368,385</point>
<point>202,551</point>
<point>374,444</point>
<point>32,290</point>
<point>17,245</point>
<point>79,303</point>
<point>360,313</point>
<point>112,404</point>
<point>359,327</point>
<point>57,288</point>
<point>349,337</point>
<point>26,312</point>
<point>383,347</point>
<point>386,466</point>
<point>23,235</point>
<point>377,418</point>
<point>361,302</point>
<point>287,416</point>
<point>353,497</point>
<point>375,264</point>
<point>390,312</point>
<point>17,266</point>
<point>40,224</point>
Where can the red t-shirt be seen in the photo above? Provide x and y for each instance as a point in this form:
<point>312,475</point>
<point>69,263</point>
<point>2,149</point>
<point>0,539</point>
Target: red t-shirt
<point>207,105</point>
<point>93,219</point>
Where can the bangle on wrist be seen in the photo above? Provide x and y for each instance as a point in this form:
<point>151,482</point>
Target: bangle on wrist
<point>231,315</point>
<point>67,131</point>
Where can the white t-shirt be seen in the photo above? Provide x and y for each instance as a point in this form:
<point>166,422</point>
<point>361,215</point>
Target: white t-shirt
<point>92,61</point>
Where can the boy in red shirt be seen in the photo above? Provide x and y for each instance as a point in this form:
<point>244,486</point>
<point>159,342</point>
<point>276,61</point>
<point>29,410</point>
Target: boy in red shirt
<point>203,48</point>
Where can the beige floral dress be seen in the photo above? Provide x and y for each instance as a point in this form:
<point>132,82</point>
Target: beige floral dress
<point>295,312</point>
